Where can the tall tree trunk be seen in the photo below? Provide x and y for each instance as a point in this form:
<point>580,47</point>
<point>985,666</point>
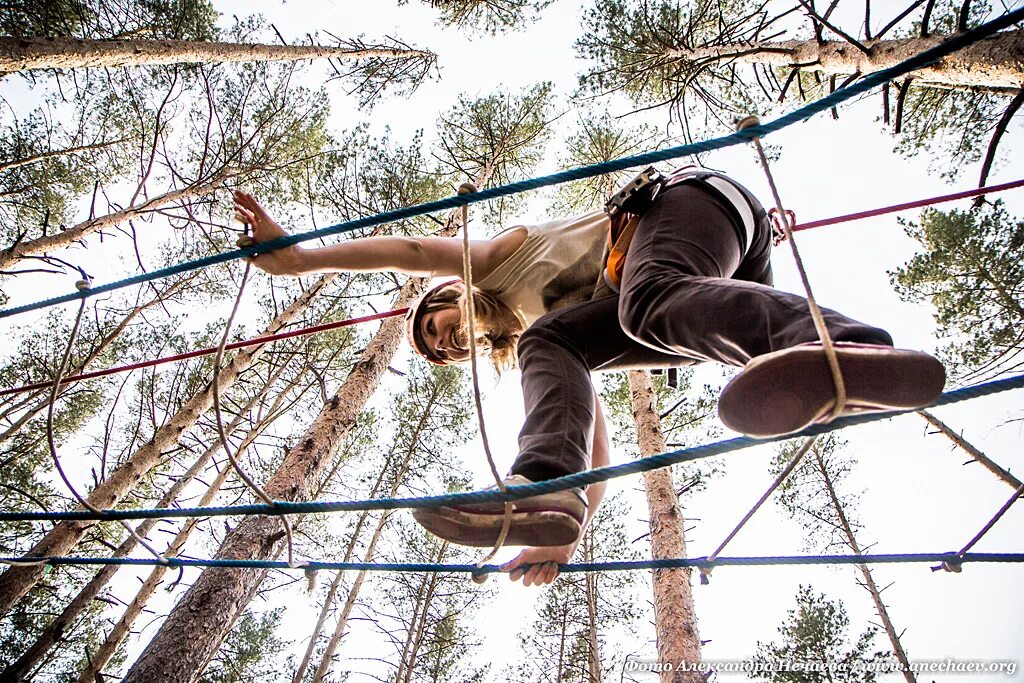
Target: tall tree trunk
<point>996,62</point>
<point>199,622</point>
<point>963,443</point>
<point>869,581</point>
<point>300,672</point>
<point>66,238</point>
<point>19,54</point>
<point>17,581</point>
<point>675,620</point>
<point>19,669</point>
<point>433,578</point>
<point>324,667</point>
<point>590,585</point>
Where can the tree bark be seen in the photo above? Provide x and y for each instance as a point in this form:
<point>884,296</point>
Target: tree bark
<point>996,62</point>
<point>64,239</point>
<point>199,622</point>
<point>590,586</point>
<point>19,54</point>
<point>323,668</point>
<point>17,581</point>
<point>675,620</point>
<point>67,151</point>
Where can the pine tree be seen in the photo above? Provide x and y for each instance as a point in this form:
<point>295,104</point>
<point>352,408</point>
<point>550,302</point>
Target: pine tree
<point>580,611</point>
<point>710,62</point>
<point>970,270</point>
<point>816,648</point>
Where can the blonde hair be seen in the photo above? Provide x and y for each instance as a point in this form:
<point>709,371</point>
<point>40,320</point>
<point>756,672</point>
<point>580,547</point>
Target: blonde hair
<point>492,330</point>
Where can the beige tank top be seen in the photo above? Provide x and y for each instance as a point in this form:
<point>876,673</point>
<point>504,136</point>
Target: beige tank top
<point>559,264</point>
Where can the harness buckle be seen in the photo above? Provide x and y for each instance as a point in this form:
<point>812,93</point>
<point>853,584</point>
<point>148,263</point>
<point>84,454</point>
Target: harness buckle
<point>637,195</point>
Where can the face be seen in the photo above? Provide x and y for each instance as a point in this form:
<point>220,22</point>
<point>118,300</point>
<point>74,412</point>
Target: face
<point>441,331</point>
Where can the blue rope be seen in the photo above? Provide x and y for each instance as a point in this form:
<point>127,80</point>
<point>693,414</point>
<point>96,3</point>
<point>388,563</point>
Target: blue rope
<point>674,563</point>
<point>513,492</point>
<point>923,59</point>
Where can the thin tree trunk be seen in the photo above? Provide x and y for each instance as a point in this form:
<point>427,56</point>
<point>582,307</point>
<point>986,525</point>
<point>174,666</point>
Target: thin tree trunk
<point>674,617</point>
<point>590,584</point>
<point>960,441</point>
<point>19,54</point>
<point>300,672</point>
<point>996,62</point>
<point>66,238</point>
<point>410,633</point>
<point>17,581</point>
<point>869,582</point>
<point>19,669</point>
<point>432,580</point>
<point>323,668</point>
<point>68,151</point>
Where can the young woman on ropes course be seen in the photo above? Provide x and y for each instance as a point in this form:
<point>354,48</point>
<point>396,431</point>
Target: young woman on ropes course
<point>554,299</point>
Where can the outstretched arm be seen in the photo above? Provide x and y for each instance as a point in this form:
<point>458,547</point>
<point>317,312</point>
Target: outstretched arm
<point>539,565</point>
<point>423,256</point>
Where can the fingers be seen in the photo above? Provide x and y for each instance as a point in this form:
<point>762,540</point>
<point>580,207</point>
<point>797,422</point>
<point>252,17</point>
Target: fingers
<point>248,202</point>
<point>534,574</point>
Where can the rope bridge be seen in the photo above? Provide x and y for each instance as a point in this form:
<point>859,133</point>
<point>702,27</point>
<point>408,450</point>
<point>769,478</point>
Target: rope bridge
<point>749,134</point>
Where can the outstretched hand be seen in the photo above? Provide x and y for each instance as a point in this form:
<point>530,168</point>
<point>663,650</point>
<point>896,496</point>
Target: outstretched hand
<point>538,565</point>
<point>284,261</point>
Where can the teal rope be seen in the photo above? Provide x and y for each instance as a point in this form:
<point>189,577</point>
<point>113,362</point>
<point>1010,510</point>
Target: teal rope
<point>674,563</point>
<point>870,81</point>
<point>513,492</point>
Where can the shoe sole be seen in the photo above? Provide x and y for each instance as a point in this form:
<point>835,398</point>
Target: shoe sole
<point>481,529</point>
<point>787,391</point>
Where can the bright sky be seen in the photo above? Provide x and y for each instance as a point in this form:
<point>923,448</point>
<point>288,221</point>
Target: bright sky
<point>917,496</point>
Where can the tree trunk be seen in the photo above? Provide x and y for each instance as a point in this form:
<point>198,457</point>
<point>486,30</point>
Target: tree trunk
<point>996,62</point>
<point>960,441</point>
<point>300,672</point>
<point>19,54</point>
<point>590,585</point>
<point>869,581</point>
<point>17,581</point>
<point>324,666</point>
<point>674,618</point>
<point>433,579</point>
<point>199,622</point>
<point>66,238</point>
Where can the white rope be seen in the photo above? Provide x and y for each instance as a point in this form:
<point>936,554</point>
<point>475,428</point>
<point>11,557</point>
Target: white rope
<point>816,315</point>
<point>467,278</point>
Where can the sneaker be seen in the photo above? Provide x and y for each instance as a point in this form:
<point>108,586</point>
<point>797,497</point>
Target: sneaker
<point>549,519</point>
<point>786,391</point>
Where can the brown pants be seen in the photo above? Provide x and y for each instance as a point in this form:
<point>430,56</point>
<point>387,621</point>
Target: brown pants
<point>689,294</point>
